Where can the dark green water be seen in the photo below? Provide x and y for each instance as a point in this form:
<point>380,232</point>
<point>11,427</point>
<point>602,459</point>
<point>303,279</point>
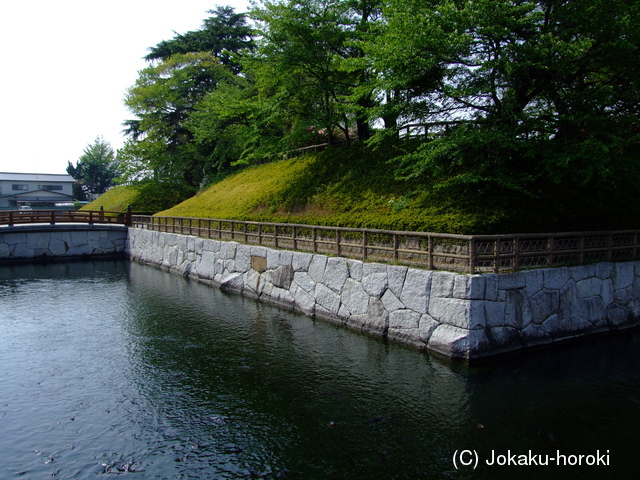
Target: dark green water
<point>111,369</point>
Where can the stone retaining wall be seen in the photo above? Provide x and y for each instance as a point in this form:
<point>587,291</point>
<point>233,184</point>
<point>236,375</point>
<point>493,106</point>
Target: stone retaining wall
<point>456,315</point>
<point>45,242</point>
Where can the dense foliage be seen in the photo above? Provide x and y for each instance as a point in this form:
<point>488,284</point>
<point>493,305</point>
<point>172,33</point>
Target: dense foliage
<point>516,104</point>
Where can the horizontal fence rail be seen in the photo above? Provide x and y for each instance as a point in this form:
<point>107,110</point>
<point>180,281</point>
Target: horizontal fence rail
<point>460,253</point>
<point>52,217</point>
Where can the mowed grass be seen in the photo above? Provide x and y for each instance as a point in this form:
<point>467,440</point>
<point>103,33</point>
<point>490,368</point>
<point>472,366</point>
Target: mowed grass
<point>244,194</point>
<point>115,199</point>
<point>347,186</point>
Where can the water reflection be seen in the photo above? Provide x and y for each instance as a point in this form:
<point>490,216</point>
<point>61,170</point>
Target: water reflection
<point>117,368</point>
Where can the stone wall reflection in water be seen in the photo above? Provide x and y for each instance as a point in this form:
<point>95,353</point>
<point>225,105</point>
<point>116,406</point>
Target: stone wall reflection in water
<point>118,368</point>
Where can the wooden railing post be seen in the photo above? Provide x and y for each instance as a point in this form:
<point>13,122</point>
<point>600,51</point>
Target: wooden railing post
<point>516,253</point>
<point>364,244</point>
<point>581,253</point>
<point>472,255</point>
<point>314,236</point>
<point>430,252</point>
<point>496,255</point>
<point>338,239</point>
<point>275,236</point>
<point>295,237</point>
<point>395,247</point>
<point>53,217</point>
<point>127,216</point>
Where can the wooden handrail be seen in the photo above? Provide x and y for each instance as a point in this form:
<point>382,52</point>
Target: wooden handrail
<point>463,253</point>
<point>53,217</point>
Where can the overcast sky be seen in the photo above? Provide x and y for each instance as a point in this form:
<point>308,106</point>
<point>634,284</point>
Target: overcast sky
<point>66,66</point>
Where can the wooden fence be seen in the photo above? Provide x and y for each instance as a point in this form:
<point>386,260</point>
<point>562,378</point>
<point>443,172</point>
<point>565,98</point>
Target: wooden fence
<point>460,253</point>
<point>52,217</point>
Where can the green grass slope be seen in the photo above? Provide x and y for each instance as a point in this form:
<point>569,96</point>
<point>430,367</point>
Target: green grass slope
<point>115,199</point>
<point>348,186</point>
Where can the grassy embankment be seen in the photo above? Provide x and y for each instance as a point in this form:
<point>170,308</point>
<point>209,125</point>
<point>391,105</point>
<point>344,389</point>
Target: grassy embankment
<point>355,187</point>
<point>350,187</point>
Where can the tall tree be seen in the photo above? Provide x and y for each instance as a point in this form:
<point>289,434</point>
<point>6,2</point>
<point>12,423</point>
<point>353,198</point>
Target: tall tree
<point>303,63</point>
<point>183,71</point>
<point>224,34</point>
<point>163,97</point>
<point>96,168</point>
<point>543,89</point>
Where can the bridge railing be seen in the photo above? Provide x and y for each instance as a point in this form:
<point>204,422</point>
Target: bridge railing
<point>461,253</point>
<point>53,217</point>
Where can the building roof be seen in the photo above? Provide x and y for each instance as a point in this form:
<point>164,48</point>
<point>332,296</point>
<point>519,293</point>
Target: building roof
<point>36,177</point>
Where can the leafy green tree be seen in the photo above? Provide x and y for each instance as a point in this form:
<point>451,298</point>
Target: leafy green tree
<point>306,65</point>
<point>162,144</point>
<point>162,99</point>
<point>225,34</point>
<point>534,93</point>
<point>96,168</point>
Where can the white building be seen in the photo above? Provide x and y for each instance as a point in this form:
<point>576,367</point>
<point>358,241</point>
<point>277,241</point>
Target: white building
<point>38,190</point>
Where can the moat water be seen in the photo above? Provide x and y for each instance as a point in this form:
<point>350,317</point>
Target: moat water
<point>117,369</point>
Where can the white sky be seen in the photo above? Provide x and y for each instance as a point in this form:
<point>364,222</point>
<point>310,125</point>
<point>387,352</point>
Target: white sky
<point>66,66</point>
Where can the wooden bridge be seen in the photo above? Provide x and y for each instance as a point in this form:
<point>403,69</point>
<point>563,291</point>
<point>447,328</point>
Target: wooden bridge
<point>53,217</point>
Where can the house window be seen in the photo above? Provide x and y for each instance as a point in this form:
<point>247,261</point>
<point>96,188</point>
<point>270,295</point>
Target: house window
<point>19,186</point>
<point>51,187</point>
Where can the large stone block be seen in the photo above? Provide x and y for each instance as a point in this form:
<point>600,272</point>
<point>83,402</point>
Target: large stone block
<point>544,304</point>
<point>556,278</point>
<point>401,319</point>
<point>581,272</point>
<point>355,298</point>
<point>375,321</point>
<point>335,274</point>
<point>317,268</point>
<point>243,258</point>
<point>355,268</point>
<point>491,287</point>
<point>328,299</point>
<point>304,281</point>
<point>619,316</point>
<point>282,276</point>
<point>494,313</point>
<point>455,342</point>
<point>375,284</point>
<point>457,312</point>
<point>592,309</point>
<point>469,287</point>
<point>233,282</point>
<point>416,290</point>
<point>442,284</point>
<point>301,261</point>
<point>534,282</point>
<point>511,281</point>
<point>426,326</point>
<point>589,287</point>
<point>517,312</point>
<point>396,277</point>
<point>391,302</point>
<point>623,274</point>
<point>303,300</point>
